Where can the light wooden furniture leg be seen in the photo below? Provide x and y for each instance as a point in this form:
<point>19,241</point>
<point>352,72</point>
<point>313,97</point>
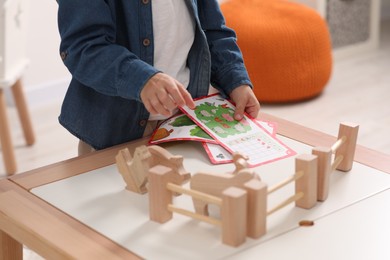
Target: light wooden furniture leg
<point>5,138</point>
<point>24,116</point>
<point>10,249</point>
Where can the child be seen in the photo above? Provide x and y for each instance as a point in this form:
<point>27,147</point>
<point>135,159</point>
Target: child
<point>135,61</point>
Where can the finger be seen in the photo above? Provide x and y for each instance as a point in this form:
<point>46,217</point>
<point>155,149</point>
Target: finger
<point>253,108</point>
<point>150,108</point>
<point>188,100</point>
<point>175,93</point>
<point>253,111</point>
<point>160,107</point>
<point>167,101</point>
<point>239,112</point>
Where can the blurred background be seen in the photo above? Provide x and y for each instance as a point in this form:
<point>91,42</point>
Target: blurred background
<point>357,91</point>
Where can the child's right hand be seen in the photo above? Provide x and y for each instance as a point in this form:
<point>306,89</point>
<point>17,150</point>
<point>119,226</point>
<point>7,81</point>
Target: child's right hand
<point>162,94</point>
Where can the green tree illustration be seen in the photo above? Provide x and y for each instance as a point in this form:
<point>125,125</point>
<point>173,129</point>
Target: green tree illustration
<point>220,119</point>
<point>184,120</point>
<point>197,131</point>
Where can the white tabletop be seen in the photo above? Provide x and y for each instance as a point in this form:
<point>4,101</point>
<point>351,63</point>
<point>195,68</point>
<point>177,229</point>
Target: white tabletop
<point>99,200</point>
<point>359,231</point>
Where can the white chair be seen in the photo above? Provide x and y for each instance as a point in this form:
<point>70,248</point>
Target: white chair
<point>13,62</point>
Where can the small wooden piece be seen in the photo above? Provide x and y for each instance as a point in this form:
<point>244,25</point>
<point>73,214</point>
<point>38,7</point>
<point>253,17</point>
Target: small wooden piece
<point>159,196</point>
<point>214,184</point>
<point>257,208</point>
<point>308,183</point>
<point>234,216</point>
<point>306,223</point>
<point>347,150</point>
<point>240,162</point>
<point>324,156</point>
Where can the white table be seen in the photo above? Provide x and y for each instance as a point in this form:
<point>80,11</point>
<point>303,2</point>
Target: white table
<point>83,202</point>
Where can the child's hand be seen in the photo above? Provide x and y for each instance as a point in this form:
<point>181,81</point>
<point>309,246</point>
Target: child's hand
<point>162,94</point>
<point>246,101</point>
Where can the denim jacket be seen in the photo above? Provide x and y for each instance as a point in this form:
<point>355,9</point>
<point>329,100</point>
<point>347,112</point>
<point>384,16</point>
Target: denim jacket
<point>107,45</point>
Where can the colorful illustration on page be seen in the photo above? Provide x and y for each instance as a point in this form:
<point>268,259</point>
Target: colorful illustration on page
<point>214,115</point>
<point>179,127</point>
<point>219,155</point>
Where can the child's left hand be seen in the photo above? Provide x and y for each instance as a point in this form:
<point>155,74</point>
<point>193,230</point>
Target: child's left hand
<point>246,101</point>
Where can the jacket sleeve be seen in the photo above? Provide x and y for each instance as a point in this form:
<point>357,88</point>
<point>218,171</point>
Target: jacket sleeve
<point>88,49</point>
<point>227,66</point>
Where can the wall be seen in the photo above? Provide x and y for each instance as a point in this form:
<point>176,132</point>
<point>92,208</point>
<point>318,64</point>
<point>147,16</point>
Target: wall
<point>385,10</point>
<point>46,78</point>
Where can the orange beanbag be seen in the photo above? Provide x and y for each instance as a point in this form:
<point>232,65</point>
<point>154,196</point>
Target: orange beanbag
<point>286,47</point>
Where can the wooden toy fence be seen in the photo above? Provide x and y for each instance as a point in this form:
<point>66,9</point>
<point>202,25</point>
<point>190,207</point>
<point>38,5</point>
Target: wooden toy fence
<point>233,205</point>
<point>344,149</point>
<point>244,209</point>
<point>312,172</point>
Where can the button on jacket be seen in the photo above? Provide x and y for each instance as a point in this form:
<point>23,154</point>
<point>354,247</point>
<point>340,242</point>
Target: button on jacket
<point>107,45</point>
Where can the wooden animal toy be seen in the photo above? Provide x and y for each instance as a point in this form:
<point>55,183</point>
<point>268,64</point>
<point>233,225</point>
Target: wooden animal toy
<point>160,156</point>
<point>214,184</point>
<point>135,170</point>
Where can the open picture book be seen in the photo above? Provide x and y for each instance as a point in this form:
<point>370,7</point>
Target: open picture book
<point>212,124</point>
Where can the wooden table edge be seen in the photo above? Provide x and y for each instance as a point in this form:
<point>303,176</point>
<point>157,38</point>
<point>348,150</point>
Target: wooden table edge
<point>84,240</point>
<point>99,159</point>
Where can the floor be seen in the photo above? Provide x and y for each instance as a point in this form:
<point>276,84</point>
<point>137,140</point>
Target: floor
<point>359,91</point>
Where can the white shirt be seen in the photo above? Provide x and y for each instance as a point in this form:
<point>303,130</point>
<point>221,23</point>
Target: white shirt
<point>173,34</point>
